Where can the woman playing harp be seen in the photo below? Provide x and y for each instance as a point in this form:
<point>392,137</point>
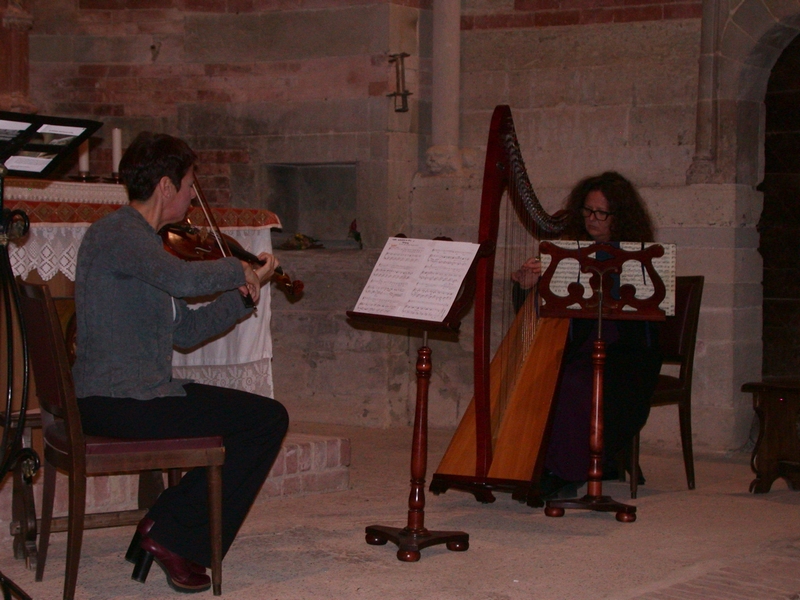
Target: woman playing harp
<point>602,208</point>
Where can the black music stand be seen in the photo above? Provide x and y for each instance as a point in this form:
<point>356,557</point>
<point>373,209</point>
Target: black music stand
<point>415,536</point>
<point>605,303</point>
<point>30,146</point>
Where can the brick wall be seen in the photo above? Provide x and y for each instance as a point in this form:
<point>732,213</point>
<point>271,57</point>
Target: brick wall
<point>246,82</point>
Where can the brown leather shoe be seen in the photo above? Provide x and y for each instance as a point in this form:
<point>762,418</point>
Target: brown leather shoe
<point>134,549</point>
<point>180,576</point>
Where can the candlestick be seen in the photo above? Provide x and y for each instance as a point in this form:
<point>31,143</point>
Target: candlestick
<point>116,149</point>
<point>83,158</point>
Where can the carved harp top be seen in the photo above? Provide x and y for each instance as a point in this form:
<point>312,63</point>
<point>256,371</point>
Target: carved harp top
<point>504,171</point>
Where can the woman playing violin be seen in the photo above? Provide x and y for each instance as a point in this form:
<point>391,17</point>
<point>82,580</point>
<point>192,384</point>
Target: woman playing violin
<point>130,313</point>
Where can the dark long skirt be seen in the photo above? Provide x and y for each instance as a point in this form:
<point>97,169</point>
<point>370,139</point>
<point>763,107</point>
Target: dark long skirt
<point>633,362</point>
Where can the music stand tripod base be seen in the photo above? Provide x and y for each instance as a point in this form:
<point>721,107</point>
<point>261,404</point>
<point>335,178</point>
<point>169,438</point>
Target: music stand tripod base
<point>625,512</point>
<point>410,542</point>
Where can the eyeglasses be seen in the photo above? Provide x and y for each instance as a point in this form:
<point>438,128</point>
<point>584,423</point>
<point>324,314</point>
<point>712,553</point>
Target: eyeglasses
<point>600,215</point>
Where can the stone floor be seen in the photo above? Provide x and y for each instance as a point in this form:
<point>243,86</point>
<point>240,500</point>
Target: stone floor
<point>718,541</point>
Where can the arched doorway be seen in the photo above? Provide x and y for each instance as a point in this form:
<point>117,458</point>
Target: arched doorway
<point>779,226</point>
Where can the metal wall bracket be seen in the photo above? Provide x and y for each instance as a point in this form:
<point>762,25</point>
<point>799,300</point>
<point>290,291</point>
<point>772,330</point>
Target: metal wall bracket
<point>400,94</point>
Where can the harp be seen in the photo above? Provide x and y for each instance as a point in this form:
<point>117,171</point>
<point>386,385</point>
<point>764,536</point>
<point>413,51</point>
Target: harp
<point>497,445</point>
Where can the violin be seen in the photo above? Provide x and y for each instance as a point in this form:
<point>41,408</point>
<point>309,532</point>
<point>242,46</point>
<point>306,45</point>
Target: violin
<point>188,242</point>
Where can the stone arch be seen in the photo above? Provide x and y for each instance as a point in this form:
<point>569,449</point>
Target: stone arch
<point>739,49</point>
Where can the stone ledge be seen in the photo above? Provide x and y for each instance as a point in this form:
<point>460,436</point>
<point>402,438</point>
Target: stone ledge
<point>306,464</point>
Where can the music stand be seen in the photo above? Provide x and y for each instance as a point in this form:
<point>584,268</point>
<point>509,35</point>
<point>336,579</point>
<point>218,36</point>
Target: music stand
<point>605,302</point>
<point>30,146</point>
<point>415,536</point>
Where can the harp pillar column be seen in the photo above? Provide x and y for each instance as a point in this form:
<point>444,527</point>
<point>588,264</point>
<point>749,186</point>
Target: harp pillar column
<point>444,155</point>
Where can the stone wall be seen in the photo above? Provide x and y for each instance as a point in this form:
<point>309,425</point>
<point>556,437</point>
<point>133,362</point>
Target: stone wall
<point>593,85</point>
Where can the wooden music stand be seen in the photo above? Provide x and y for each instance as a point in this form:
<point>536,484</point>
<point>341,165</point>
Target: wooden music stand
<point>605,302</point>
<point>415,536</point>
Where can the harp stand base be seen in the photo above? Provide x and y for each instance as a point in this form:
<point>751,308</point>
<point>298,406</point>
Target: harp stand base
<point>594,500</point>
<point>414,537</point>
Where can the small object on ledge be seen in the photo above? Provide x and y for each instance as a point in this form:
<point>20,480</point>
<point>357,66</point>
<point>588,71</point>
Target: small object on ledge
<point>355,234</point>
<point>115,178</point>
<point>300,242</point>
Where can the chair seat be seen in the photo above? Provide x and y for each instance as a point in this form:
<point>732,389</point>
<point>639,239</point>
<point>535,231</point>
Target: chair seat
<point>56,436</point>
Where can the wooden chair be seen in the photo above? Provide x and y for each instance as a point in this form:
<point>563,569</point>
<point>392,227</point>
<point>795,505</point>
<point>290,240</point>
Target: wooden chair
<point>677,339</point>
<point>67,448</point>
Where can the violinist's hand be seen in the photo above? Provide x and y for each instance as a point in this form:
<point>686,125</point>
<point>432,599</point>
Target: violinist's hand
<point>253,285</point>
<point>266,270</point>
<point>528,274</point>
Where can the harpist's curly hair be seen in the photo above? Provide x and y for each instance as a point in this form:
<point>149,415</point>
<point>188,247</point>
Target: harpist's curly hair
<point>631,221</point>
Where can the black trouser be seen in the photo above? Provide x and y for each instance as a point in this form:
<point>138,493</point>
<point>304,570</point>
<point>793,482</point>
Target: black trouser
<point>252,428</point>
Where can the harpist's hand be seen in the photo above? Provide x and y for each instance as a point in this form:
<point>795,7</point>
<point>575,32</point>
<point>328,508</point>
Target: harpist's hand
<point>528,275</point>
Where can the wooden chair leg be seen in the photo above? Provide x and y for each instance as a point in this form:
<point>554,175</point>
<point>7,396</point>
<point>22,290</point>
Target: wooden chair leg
<point>634,466</point>
<point>685,417</point>
<point>77,512</point>
<point>215,526</point>
<point>174,477</point>
<point>48,497</point>
<point>23,509</point>
<point>151,484</point>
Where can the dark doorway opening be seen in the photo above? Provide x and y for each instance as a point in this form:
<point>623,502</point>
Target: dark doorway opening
<point>780,222</point>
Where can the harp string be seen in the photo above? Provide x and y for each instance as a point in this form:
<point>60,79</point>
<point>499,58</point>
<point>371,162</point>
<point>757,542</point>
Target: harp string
<point>518,242</point>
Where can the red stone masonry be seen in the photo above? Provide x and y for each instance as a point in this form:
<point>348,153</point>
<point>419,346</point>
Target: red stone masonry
<point>553,13</point>
<point>235,6</point>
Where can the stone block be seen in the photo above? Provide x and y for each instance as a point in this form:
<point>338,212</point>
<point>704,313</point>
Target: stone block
<point>292,461</point>
<point>101,49</point>
<point>403,28</point>
<point>481,89</point>
<point>281,35</point>
<point>305,458</point>
<point>670,125</point>
<point>50,48</point>
<point>755,19</point>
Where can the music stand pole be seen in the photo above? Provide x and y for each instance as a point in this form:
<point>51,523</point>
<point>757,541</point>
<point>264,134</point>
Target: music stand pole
<point>594,498</point>
<point>414,537</point>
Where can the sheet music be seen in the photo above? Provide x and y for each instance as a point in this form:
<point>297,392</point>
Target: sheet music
<point>568,271</point>
<point>416,279</point>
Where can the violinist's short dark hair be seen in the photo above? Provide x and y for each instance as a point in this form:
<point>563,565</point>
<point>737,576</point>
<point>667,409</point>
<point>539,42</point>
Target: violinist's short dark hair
<point>150,157</point>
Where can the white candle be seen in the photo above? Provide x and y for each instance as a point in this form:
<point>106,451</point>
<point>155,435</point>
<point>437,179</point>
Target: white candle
<point>83,157</point>
<point>116,149</point>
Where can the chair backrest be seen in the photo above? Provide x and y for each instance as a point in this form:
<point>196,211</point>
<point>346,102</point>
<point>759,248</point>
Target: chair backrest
<point>678,334</point>
<point>48,356</point>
